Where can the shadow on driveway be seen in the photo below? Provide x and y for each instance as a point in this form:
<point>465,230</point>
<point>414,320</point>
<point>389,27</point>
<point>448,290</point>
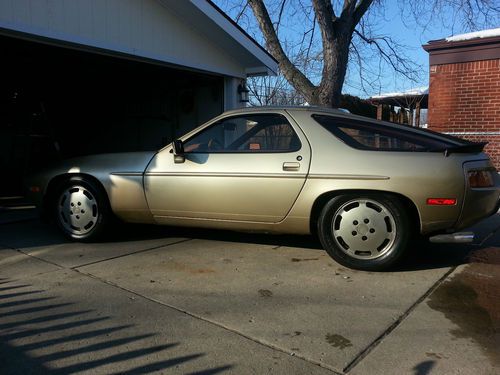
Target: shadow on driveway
<point>67,339</point>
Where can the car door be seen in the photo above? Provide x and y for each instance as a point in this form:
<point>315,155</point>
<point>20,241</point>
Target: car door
<point>248,167</point>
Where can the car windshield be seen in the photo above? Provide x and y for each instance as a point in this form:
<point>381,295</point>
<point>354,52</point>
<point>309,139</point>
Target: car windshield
<point>379,137</point>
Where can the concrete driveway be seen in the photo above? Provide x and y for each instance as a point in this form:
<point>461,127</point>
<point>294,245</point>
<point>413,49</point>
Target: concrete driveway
<point>166,300</point>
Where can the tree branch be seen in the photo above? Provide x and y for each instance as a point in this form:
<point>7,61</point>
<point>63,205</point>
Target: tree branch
<point>324,15</point>
<point>282,8</point>
<point>391,55</point>
<point>290,71</point>
<point>241,13</point>
<point>348,9</point>
<point>360,10</point>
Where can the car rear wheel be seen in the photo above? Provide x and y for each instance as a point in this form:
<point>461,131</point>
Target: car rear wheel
<point>368,232</point>
<point>81,209</point>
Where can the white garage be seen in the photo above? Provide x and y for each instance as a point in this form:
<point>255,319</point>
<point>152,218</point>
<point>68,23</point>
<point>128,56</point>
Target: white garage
<point>89,76</point>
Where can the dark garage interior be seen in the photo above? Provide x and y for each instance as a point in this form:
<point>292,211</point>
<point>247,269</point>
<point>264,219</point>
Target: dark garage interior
<point>59,102</point>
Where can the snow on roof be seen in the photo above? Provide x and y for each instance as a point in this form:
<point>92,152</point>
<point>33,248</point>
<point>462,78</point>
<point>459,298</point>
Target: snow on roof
<point>478,34</point>
<point>412,92</point>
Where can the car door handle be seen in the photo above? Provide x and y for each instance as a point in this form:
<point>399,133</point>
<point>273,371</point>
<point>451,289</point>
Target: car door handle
<point>291,166</point>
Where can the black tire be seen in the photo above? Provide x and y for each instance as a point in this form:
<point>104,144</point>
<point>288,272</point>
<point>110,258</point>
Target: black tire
<point>81,209</point>
<point>367,232</point>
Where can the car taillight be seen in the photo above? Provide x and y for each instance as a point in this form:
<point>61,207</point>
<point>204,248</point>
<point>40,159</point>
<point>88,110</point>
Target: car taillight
<point>479,179</point>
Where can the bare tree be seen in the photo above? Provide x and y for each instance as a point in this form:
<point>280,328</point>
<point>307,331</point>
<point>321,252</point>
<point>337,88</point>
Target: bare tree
<point>347,33</point>
<point>265,91</point>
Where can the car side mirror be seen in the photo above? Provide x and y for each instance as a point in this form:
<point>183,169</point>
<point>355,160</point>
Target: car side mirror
<point>178,151</point>
<point>178,147</point>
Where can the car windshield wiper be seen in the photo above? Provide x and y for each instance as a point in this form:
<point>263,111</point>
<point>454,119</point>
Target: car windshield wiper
<point>471,148</point>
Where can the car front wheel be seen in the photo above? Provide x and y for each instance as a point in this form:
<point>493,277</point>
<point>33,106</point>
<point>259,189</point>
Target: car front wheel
<point>81,209</point>
<point>368,232</point>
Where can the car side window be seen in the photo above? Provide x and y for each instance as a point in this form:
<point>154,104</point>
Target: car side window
<point>246,134</point>
<point>378,137</point>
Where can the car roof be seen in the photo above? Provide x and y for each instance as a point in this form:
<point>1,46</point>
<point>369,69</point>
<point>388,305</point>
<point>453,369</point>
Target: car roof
<point>308,108</point>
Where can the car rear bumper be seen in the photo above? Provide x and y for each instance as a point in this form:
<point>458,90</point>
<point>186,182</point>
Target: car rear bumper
<point>479,203</point>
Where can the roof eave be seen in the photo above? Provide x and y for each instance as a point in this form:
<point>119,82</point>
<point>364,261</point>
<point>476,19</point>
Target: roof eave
<point>268,64</point>
<point>440,44</point>
<point>451,52</point>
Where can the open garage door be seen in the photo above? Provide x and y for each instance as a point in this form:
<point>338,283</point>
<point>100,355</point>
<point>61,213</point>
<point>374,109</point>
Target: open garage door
<point>58,102</point>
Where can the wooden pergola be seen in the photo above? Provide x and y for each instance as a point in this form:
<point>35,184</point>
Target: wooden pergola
<point>409,104</point>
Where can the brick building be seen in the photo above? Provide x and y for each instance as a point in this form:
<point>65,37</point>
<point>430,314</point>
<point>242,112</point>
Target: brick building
<point>464,91</point>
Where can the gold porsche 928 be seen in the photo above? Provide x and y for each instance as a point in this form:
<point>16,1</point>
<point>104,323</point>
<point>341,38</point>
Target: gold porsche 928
<point>364,187</point>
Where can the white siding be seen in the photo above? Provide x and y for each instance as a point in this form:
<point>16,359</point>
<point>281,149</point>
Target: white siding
<point>231,98</point>
<point>144,28</point>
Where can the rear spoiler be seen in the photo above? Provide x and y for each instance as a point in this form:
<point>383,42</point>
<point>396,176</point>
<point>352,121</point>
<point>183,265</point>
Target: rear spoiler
<point>470,148</point>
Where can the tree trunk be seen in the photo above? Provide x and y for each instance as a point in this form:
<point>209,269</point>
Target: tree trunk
<point>334,71</point>
<point>294,76</point>
<point>336,35</point>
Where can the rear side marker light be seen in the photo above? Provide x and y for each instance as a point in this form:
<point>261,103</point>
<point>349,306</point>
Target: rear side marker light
<point>479,179</point>
<point>441,201</point>
<point>35,189</point>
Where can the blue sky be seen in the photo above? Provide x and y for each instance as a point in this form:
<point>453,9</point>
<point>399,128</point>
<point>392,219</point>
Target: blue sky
<point>387,21</point>
<point>413,36</point>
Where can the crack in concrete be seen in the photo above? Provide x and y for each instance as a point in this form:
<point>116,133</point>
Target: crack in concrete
<point>133,253</point>
<point>97,261</point>
<point>397,323</point>
<point>217,324</point>
<point>37,258</point>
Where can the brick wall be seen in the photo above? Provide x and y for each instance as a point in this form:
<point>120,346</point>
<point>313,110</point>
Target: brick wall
<point>465,98</point>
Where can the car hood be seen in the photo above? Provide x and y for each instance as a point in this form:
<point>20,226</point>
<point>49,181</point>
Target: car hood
<point>134,162</point>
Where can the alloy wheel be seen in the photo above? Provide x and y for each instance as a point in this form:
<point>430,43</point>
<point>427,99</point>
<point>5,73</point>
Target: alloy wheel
<point>364,229</point>
<point>77,210</point>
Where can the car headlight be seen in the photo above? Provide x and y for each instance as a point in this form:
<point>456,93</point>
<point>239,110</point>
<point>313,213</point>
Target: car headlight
<point>481,179</point>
